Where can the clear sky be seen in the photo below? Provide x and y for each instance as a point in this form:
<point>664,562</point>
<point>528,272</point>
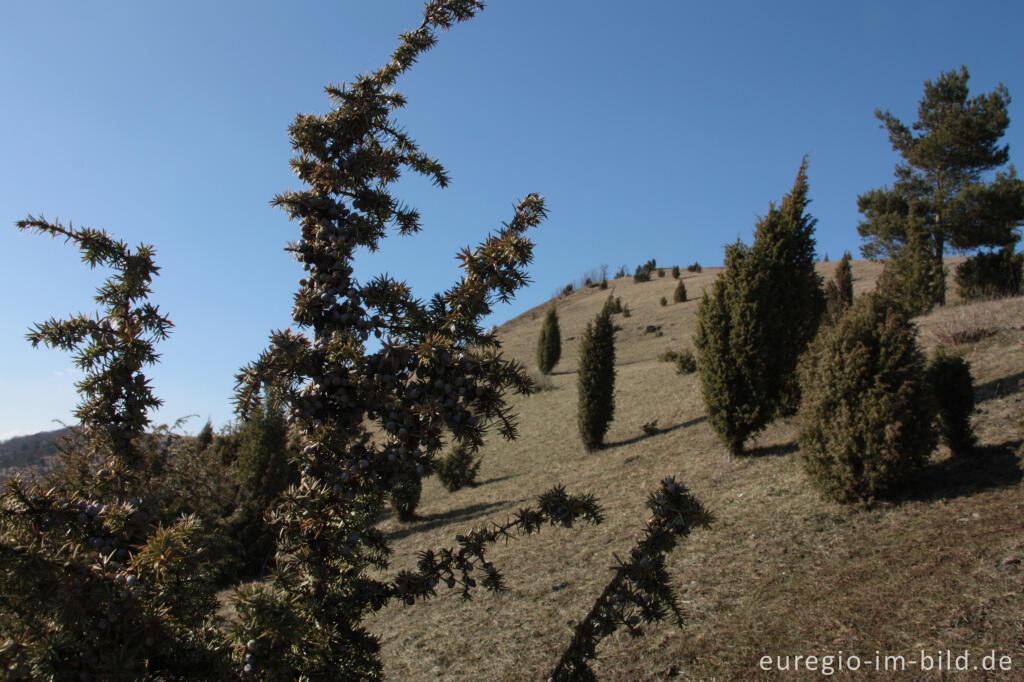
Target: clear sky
<point>656,128</point>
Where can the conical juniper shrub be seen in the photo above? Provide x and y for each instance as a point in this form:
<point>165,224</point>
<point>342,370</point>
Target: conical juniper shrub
<point>952,385</point>
<point>549,344</point>
<point>866,417</point>
<point>596,381</point>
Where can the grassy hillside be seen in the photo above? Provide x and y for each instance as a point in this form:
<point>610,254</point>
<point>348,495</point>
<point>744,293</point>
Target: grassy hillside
<point>780,572</point>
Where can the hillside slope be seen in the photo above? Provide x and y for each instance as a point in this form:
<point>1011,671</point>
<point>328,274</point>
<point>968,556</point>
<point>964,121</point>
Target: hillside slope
<point>35,452</point>
<point>780,572</point>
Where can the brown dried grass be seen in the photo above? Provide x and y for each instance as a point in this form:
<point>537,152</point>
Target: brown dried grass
<point>780,572</point>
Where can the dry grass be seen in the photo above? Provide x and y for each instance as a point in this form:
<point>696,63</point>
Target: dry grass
<point>780,572</point>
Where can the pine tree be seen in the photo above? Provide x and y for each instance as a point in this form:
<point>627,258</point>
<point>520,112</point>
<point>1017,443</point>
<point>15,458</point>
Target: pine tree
<point>596,381</point>
<point>549,344</point>
<point>940,184</point>
<point>764,310</point>
<point>865,422</point>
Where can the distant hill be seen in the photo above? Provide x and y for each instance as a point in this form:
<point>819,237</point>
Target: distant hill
<point>35,452</point>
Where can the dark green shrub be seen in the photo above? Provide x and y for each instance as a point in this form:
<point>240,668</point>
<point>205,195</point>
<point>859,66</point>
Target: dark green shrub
<point>686,363</point>
<point>93,586</point>
<point>953,387</point>
<point>549,343</point>
<point>661,272</point>
<point>694,267</point>
<point>205,437</point>
<point>458,469</point>
<point>912,279</point>
<point>839,290</point>
<point>679,295</point>
<point>569,288</point>
<point>405,497</point>
<point>262,465</point>
<point>866,420</point>
<point>643,272</point>
<point>843,277</point>
<point>621,272</point>
<point>675,272</point>
<point>763,311</point>
<point>625,310</point>
<point>603,284</point>
<point>989,275</point>
<point>596,381</point>
<point>663,301</point>
<point>613,305</point>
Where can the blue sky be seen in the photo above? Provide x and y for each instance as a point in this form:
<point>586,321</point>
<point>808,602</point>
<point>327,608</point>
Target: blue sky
<point>654,129</point>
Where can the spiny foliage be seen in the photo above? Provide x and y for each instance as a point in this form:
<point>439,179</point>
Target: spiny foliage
<point>549,343</point>
<point>865,422</point>
<point>953,387</point>
<point>92,587</point>
<point>990,275</point>
<point>119,343</point>
<point>640,592</point>
<point>675,272</point>
<point>596,381</point>
<point>939,185</point>
<point>763,311</point>
<point>371,421</point>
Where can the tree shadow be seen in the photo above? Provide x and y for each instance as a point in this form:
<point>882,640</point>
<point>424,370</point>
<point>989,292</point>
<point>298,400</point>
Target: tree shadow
<point>997,388</point>
<point>779,450</point>
<point>422,523</point>
<point>987,467</point>
<point>496,479</point>
<point>644,436</point>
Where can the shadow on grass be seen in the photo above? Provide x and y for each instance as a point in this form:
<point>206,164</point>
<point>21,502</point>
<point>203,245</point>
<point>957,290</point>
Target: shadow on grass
<point>986,467</point>
<point>772,451</point>
<point>496,479</point>
<point>643,436</point>
<point>997,388</point>
<point>443,519</point>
